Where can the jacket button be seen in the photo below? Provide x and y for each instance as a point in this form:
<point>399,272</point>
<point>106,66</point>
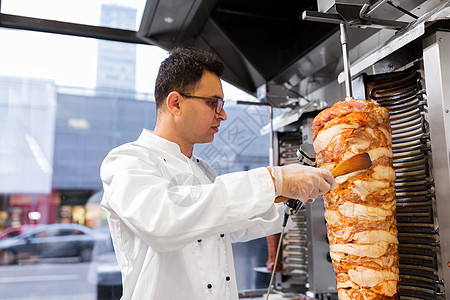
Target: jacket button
<point>222,235</point>
<point>199,241</point>
<point>227,278</point>
<point>209,286</point>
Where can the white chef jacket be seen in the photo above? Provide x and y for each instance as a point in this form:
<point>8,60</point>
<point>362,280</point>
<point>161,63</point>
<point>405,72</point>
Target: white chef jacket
<point>172,220</point>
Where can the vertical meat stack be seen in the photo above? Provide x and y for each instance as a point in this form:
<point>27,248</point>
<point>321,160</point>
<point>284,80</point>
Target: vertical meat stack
<point>360,213</point>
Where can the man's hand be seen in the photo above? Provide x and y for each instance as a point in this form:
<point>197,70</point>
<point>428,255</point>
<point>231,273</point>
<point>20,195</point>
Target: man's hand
<point>301,182</point>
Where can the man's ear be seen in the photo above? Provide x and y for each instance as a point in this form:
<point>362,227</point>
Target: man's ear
<point>173,103</point>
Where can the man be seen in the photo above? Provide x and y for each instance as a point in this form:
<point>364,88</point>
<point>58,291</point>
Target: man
<point>172,219</point>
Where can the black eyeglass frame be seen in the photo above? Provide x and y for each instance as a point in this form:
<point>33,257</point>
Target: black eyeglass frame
<point>220,102</point>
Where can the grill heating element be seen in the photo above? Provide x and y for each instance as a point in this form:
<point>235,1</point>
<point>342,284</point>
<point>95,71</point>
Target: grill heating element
<point>402,94</point>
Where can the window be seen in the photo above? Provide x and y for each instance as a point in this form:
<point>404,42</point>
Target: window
<point>65,101</point>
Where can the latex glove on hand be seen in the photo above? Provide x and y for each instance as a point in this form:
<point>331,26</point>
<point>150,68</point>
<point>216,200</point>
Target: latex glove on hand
<point>301,182</point>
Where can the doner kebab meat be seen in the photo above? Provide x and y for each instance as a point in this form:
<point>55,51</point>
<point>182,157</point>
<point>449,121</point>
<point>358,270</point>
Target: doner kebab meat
<point>360,212</point>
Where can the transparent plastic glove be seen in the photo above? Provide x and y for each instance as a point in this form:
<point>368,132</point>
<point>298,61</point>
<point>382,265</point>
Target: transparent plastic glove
<point>302,182</point>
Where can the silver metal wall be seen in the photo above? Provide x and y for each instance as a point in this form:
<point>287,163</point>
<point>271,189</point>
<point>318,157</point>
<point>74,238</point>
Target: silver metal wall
<point>436,58</point>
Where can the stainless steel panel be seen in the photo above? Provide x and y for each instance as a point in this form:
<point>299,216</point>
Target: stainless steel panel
<point>403,37</point>
<point>327,5</point>
<point>320,270</point>
<point>436,56</point>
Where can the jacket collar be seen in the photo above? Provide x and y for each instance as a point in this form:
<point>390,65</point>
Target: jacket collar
<point>149,139</point>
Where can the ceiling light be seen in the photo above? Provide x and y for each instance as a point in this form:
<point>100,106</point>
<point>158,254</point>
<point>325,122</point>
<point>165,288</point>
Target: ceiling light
<point>169,20</point>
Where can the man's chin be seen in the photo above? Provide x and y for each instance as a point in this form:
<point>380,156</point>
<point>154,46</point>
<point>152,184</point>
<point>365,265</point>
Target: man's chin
<point>205,140</point>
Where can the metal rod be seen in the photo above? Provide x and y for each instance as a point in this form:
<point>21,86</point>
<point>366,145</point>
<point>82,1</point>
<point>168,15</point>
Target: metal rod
<point>271,149</point>
<point>376,6</point>
<point>269,289</point>
<point>346,62</point>
<point>67,28</point>
<point>316,16</point>
<point>244,102</point>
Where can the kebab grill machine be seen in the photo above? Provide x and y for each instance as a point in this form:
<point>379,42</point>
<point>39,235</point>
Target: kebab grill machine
<point>409,74</point>
<point>300,57</point>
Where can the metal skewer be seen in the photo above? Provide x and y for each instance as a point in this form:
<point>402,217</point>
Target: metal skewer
<point>292,206</point>
<point>346,62</point>
<point>269,289</point>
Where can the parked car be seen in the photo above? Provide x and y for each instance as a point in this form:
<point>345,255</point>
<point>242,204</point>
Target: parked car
<point>52,241</point>
<point>15,231</point>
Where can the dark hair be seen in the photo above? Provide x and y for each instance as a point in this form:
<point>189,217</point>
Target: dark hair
<point>182,71</point>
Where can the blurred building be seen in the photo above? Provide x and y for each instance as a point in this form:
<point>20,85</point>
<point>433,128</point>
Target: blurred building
<point>116,62</point>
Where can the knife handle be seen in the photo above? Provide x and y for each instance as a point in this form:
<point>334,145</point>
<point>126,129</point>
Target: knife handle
<point>281,199</point>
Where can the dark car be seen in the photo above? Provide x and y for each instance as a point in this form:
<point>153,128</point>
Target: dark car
<point>53,241</point>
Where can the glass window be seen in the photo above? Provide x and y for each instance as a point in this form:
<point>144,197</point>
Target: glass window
<point>65,102</point>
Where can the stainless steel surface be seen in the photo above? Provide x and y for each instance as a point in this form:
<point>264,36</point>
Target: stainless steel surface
<point>355,13</point>
<point>320,269</point>
<point>306,154</point>
<point>436,57</point>
<point>322,17</point>
<point>346,62</point>
<point>369,10</point>
<point>288,117</point>
<point>415,30</point>
<point>348,9</point>
<point>326,5</point>
<point>265,43</point>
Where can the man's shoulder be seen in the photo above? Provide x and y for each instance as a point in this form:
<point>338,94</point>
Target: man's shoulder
<point>137,149</point>
<point>129,155</point>
<point>126,148</point>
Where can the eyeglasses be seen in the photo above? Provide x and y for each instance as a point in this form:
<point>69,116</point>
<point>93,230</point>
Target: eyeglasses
<point>215,102</point>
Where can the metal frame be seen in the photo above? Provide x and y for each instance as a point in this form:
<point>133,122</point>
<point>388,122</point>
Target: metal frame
<point>363,18</point>
<point>66,28</point>
<point>321,275</point>
<point>436,57</point>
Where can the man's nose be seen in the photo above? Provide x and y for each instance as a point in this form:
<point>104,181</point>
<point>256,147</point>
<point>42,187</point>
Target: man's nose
<point>222,115</point>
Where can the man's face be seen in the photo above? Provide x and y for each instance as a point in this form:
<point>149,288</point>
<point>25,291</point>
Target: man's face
<point>199,119</point>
